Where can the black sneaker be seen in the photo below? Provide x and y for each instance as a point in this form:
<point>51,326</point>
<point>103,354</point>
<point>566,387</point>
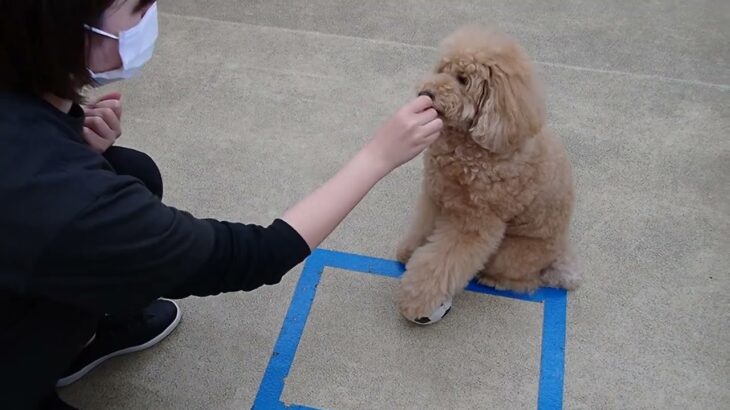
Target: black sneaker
<point>121,334</point>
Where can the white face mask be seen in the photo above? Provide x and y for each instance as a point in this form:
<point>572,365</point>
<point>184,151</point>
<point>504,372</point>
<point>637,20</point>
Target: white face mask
<point>136,46</point>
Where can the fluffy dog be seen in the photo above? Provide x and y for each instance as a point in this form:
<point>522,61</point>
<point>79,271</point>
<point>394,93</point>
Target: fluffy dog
<point>497,192</point>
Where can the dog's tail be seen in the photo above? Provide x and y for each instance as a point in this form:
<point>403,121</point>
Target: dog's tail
<point>563,272</point>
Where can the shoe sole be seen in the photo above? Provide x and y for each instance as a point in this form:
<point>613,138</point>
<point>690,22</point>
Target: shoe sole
<point>72,378</point>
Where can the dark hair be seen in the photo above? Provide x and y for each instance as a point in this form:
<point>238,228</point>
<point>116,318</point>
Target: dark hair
<point>43,44</point>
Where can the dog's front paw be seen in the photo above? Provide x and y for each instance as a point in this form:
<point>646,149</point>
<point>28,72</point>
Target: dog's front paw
<point>422,303</point>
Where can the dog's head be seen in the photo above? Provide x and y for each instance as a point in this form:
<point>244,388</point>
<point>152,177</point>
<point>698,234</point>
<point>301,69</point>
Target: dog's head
<point>484,85</point>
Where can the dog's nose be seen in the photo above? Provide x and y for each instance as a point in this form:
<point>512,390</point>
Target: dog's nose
<point>428,94</point>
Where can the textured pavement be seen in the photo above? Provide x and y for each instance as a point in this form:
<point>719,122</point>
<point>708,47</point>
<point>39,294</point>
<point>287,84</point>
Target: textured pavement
<point>249,105</point>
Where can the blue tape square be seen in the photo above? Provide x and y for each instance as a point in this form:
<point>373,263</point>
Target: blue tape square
<point>552,354</point>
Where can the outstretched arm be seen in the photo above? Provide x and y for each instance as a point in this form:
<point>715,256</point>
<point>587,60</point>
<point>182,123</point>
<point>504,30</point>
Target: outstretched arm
<point>399,140</point>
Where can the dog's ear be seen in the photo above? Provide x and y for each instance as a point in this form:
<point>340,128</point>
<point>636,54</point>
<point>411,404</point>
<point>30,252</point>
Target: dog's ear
<point>510,109</point>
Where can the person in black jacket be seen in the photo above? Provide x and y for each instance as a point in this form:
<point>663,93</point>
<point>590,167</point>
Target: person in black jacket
<point>89,252</point>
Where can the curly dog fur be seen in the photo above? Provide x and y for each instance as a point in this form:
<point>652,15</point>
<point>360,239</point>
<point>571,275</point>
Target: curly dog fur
<point>497,192</point>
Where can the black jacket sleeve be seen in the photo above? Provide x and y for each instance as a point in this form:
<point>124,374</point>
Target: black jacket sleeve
<point>127,248</point>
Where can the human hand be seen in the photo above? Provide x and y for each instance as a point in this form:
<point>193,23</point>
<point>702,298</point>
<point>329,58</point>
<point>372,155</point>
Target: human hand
<point>102,124</point>
<point>406,134</point>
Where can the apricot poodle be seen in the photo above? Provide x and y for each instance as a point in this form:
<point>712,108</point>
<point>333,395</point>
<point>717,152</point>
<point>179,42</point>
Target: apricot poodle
<point>497,192</point>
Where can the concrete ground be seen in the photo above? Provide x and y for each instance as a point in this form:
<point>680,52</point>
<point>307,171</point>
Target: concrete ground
<point>249,105</point>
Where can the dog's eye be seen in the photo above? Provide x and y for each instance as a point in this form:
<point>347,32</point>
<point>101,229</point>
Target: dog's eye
<point>463,80</point>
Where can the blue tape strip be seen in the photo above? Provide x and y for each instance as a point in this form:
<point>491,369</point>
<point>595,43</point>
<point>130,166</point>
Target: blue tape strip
<point>552,357</point>
<point>272,384</point>
<point>358,263</point>
<point>550,393</point>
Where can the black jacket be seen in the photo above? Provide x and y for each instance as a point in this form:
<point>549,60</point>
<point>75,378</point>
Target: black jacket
<point>78,240</point>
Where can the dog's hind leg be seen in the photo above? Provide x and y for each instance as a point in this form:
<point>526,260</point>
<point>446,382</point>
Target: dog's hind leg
<point>518,263</point>
<point>525,286</point>
<point>563,272</point>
